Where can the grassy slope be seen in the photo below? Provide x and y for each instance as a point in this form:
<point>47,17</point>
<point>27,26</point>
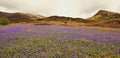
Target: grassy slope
<point>102,19</point>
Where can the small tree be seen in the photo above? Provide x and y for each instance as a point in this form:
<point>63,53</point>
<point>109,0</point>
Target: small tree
<point>4,21</point>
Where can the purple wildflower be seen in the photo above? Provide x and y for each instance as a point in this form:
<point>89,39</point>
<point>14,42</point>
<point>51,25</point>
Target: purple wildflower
<point>0,47</point>
<point>10,44</point>
<point>74,57</point>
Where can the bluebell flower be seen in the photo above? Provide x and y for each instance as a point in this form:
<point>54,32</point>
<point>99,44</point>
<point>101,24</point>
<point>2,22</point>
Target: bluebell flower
<point>74,57</point>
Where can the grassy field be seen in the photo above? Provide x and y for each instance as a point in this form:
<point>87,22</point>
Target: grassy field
<point>50,41</point>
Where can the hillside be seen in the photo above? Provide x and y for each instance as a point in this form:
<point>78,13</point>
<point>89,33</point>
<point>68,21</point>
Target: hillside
<point>105,18</point>
<point>20,17</point>
<point>102,18</point>
<point>105,15</point>
<point>65,19</point>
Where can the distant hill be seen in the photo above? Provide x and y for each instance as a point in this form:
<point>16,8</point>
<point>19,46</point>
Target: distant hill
<point>105,15</point>
<point>102,18</point>
<point>65,19</point>
<point>106,19</point>
<point>20,17</point>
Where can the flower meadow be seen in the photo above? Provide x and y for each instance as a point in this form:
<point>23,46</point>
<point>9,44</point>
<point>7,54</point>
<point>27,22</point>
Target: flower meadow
<point>50,41</point>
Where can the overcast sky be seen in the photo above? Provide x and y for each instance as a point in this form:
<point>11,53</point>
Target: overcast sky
<point>72,8</point>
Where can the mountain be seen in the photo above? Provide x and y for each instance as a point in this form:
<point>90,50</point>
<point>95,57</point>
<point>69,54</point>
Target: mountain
<point>65,19</point>
<point>20,17</point>
<point>105,18</point>
<point>102,18</point>
<point>105,15</point>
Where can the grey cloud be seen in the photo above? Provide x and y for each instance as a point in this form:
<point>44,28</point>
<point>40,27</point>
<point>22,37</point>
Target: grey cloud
<point>73,8</point>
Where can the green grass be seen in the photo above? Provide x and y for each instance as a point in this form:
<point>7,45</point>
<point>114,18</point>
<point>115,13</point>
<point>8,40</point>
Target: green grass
<point>50,47</point>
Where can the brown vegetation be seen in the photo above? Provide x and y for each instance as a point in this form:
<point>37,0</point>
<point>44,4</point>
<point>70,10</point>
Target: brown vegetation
<point>101,19</point>
<point>19,17</point>
<point>106,19</point>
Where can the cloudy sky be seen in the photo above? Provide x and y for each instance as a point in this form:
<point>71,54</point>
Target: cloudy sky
<point>72,8</point>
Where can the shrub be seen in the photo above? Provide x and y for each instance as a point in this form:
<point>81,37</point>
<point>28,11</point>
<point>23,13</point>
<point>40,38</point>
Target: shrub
<point>65,22</point>
<point>4,21</point>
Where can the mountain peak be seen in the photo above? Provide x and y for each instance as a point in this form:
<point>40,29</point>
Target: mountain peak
<point>105,15</point>
<point>105,12</point>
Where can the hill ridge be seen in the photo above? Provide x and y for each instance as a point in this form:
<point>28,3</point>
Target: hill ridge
<point>20,17</point>
<point>102,18</point>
